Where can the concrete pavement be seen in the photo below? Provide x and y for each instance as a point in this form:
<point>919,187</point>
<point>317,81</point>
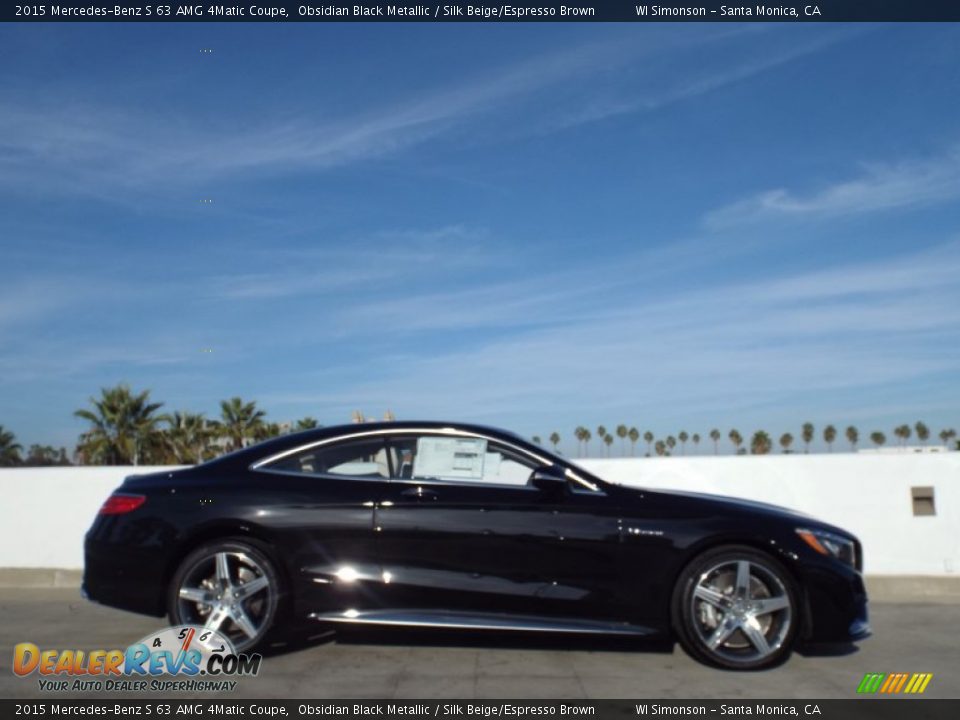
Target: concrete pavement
<point>908,637</point>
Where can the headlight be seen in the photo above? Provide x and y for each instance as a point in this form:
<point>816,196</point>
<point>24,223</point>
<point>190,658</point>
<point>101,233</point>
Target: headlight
<point>831,544</point>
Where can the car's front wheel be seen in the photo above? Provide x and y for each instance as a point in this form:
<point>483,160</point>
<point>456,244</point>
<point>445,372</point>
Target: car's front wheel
<point>230,586</point>
<point>736,608</point>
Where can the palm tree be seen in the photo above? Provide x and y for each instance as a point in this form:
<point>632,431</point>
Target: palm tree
<point>608,441</point>
<point>715,436</point>
<point>9,448</point>
<point>946,435</point>
<point>878,438</point>
<point>660,448</point>
<point>307,423</point>
<point>829,435</point>
<point>537,440</point>
<point>903,432</point>
<point>634,436</point>
<point>923,432</point>
<point>240,421</point>
<point>760,443</point>
<point>267,430</point>
<point>737,439</point>
<point>601,432</point>
<point>648,439</point>
<point>622,434</point>
<point>45,456</point>
<point>853,437</point>
<point>578,434</point>
<point>586,442</point>
<point>696,441</point>
<point>554,439</point>
<point>188,437</point>
<point>806,432</point>
<point>683,437</point>
<point>123,428</point>
<point>786,440</point>
<point>671,443</point>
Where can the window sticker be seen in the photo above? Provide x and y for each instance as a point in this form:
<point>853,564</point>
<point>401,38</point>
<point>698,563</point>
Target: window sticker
<point>442,457</point>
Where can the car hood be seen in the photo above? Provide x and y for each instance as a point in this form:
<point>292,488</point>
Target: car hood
<point>726,502</point>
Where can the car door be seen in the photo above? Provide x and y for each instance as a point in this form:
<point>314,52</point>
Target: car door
<point>326,524</point>
<point>462,528</point>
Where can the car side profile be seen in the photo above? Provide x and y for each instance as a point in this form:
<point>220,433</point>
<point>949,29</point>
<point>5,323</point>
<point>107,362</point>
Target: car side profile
<point>430,524</point>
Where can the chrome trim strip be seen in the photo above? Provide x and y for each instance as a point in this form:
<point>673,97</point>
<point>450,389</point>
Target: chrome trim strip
<point>468,621</point>
<point>322,476</point>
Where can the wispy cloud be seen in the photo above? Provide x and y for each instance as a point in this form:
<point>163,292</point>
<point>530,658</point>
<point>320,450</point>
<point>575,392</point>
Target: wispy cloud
<point>728,348</point>
<point>693,85</point>
<point>78,147</point>
<point>357,265</point>
<point>120,146</point>
<point>912,183</point>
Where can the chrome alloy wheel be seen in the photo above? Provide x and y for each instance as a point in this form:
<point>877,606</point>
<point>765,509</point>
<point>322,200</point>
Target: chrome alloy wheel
<point>228,591</point>
<point>742,611</point>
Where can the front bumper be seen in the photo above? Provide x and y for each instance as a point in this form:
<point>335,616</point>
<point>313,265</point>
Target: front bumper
<point>835,602</point>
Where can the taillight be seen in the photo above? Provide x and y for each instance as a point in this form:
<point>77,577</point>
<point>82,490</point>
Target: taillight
<point>118,504</point>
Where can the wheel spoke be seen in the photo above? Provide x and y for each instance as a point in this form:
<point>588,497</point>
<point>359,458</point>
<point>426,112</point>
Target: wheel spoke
<point>725,630</point>
<point>201,596</point>
<point>711,596</point>
<point>743,579</point>
<point>223,568</point>
<point>216,618</point>
<point>768,605</point>
<point>751,628</point>
<point>242,621</point>
<point>246,590</point>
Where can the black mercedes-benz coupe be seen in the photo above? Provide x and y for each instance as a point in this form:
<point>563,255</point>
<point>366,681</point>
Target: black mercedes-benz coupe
<point>459,526</point>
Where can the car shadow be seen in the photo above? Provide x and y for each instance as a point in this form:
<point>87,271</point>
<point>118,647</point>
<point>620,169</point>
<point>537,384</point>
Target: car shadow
<point>304,638</point>
<point>826,649</point>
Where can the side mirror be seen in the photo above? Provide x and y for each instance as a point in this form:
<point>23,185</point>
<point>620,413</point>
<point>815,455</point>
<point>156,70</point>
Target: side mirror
<point>549,479</point>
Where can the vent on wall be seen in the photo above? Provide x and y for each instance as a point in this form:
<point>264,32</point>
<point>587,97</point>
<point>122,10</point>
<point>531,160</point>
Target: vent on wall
<point>923,503</point>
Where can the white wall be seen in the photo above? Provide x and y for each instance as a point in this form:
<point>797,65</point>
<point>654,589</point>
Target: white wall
<point>44,512</point>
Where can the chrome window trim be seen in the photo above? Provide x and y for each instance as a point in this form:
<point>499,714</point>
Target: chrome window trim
<point>453,432</point>
<point>324,476</point>
<point>460,483</point>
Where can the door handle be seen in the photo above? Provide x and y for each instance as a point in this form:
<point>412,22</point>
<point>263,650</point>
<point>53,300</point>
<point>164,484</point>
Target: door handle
<point>419,493</point>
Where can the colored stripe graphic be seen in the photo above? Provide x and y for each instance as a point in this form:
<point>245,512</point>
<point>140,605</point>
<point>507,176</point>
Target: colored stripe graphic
<point>894,683</point>
<point>870,683</point>
<point>903,679</point>
<point>918,683</point>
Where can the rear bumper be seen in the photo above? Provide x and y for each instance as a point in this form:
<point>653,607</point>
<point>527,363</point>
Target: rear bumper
<point>122,577</point>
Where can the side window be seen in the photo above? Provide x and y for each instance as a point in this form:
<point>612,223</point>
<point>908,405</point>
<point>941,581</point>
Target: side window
<point>363,458</point>
<point>461,459</point>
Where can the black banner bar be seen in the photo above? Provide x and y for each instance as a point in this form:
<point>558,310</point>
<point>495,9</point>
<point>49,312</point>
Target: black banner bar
<point>214,707</point>
<point>478,11</point>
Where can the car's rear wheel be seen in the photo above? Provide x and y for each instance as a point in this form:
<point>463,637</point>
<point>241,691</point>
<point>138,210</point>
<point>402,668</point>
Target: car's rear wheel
<point>229,586</point>
<point>736,608</point>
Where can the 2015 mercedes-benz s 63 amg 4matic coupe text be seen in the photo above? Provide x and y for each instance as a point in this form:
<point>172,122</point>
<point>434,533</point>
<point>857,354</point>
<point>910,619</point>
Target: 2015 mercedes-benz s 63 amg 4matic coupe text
<point>452,525</point>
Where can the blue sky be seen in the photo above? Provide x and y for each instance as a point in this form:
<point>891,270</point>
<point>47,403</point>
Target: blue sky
<point>671,226</point>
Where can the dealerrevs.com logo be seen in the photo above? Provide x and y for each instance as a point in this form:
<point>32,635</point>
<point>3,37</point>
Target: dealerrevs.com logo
<point>203,659</point>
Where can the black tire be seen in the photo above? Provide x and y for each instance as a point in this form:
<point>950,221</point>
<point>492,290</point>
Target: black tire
<point>720,624</point>
<point>248,566</point>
